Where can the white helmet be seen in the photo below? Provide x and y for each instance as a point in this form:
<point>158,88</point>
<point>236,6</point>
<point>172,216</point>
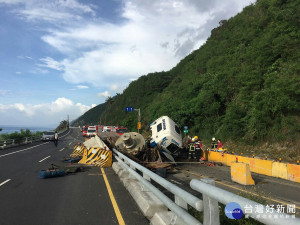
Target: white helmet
<point>213,139</point>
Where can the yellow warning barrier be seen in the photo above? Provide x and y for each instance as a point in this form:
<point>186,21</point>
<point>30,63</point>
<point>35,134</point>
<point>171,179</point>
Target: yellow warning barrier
<point>78,151</point>
<point>240,173</point>
<point>97,156</point>
<point>279,170</point>
<point>105,159</point>
<point>293,172</point>
<point>260,166</point>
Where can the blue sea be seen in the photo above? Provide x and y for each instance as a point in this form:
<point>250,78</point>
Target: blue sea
<point>12,129</point>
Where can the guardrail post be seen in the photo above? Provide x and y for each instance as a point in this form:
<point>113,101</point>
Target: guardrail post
<point>4,144</point>
<point>211,207</point>
<point>26,140</point>
<point>180,202</point>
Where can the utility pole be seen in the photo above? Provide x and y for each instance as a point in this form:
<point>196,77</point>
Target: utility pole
<point>139,119</point>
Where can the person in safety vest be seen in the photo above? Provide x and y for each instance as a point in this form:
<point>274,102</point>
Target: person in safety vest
<point>192,149</point>
<point>198,148</point>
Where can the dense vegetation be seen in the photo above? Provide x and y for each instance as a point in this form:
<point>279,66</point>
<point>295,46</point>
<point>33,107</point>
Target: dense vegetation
<point>63,125</point>
<point>18,136</point>
<point>243,83</point>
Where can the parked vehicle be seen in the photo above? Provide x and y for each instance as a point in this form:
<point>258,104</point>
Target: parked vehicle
<point>121,130</point>
<point>84,130</point>
<point>48,136</point>
<point>107,129</point>
<point>166,133</point>
<point>91,131</point>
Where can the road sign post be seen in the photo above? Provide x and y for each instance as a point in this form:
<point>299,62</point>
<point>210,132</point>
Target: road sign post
<point>139,119</point>
<point>131,109</point>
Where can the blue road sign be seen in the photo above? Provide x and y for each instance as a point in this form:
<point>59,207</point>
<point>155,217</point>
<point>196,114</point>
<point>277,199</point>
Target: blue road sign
<point>129,109</point>
<point>185,127</point>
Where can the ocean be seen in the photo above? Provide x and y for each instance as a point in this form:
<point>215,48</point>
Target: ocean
<point>12,129</point>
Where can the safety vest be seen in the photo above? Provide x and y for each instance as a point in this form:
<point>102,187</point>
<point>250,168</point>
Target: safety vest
<point>192,147</point>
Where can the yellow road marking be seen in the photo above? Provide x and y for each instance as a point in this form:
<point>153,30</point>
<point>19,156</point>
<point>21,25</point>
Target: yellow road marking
<point>248,192</point>
<point>113,200</point>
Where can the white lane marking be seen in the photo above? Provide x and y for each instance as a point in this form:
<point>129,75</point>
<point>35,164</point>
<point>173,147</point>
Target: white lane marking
<point>4,182</point>
<point>70,143</point>
<point>22,150</point>
<point>45,158</point>
<point>62,149</point>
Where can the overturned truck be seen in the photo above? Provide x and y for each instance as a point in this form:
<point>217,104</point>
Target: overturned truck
<point>165,142</point>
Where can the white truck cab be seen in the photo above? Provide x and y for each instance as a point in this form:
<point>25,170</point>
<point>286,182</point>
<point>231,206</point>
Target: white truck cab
<point>166,133</point>
<point>91,131</point>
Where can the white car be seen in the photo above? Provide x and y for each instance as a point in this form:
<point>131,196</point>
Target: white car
<point>91,131</point>
<point>48,136</point>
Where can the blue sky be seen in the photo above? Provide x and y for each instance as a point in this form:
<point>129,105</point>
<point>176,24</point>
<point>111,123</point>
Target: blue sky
<point>62,57</point>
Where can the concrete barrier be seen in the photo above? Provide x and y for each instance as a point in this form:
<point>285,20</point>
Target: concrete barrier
<point>97,157</point>
<point>166,218</point>
<point>279,170</point>
<point>116,167</point>
<point>261,166</point>
<point>148,203</point>
<point>240,173</point>
<point>104,159</point>
<point>293,172</point>
<point>78,151</point>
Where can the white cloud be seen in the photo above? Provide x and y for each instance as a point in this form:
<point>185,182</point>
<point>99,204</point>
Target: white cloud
<point>154,37</point>
<point>82,87</point>
<point>104,94</point>
<point>41,114</point>
<point>55,11</point>
<point>115,87</point>
<point>51,63</point>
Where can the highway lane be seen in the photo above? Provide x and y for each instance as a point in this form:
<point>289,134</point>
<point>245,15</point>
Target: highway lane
<point>81,198</point>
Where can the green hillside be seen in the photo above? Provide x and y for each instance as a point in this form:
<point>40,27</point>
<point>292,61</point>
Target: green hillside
<point>242,84</point>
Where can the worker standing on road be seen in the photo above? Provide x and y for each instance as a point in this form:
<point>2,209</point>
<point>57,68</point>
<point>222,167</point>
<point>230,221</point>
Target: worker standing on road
<point>214,144</point>
<point>192,149</point>
<point>220,145</point>
<point>198,148</point>
<point>56,138</point>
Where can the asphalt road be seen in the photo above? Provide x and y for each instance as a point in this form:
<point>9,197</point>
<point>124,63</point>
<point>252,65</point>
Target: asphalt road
<point>81,198</point>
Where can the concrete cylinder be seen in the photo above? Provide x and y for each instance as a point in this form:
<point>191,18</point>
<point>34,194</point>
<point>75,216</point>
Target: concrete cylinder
<point>128,141</point>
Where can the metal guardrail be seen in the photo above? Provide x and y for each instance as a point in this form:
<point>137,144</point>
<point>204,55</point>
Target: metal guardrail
<point>179,206</point>
<point>13,142</point>
<point>226,197</point>
<point>211,197</point>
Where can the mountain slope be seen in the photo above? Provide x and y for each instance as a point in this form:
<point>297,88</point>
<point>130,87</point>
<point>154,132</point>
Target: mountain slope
<point>90,117</point>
